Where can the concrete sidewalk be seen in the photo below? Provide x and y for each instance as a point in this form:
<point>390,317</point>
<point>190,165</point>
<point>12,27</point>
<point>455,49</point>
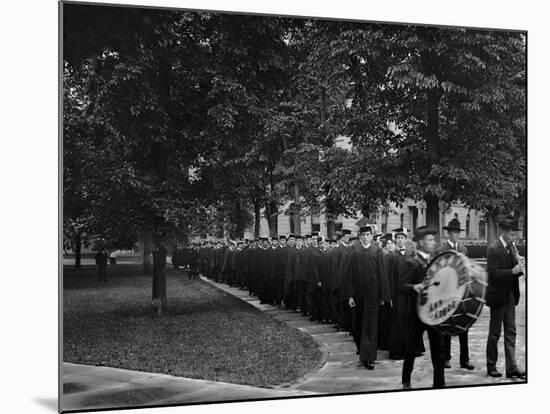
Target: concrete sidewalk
<point>91,387</point>
<point>343,373</point>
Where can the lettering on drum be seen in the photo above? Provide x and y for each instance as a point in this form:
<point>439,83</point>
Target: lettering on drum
<point>446,280</point>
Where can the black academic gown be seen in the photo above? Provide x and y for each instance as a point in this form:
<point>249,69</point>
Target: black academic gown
<point>398,320</point>
<point>384,311</point>
<point>280,264</point>
<point>367,284</point>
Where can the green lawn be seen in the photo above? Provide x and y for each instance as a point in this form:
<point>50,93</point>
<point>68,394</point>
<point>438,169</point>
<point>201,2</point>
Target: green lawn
<point>205,333</point>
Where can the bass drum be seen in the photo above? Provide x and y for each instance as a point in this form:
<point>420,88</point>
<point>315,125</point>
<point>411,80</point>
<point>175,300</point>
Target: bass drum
<point>454,293</point>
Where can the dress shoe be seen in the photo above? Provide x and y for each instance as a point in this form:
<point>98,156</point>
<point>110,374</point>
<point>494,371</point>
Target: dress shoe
<point>369,365</point>
<point>448,363</point>
<point>407,386</point>
<point>516,374</point>
<point>467,366</point>
<point>494,373</point>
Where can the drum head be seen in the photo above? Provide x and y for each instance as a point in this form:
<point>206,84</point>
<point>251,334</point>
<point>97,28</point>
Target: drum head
<point>446,278</point>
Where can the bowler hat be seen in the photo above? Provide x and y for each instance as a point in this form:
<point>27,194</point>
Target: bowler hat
<point>388,236</point>
<point>423,231</point>
<point>454,225</point>
<point>509,223</point>
<point>401,231</point>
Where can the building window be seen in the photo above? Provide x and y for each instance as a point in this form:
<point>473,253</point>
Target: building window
<point>291,224</point>
<point>315,223</point>
<point>338,226</point>
<point>402,218</point>
<point>468,226</point>
<point>482,229</point>
<point>456,216</point>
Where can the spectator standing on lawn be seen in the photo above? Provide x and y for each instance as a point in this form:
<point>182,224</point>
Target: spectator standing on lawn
<point>101,262</point>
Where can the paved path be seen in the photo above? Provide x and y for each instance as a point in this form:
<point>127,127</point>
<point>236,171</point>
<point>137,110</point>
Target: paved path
<point>87,387</point>
<point>343,373</point>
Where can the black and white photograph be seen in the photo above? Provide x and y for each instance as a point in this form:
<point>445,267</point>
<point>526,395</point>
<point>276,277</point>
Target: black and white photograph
<point>262,207</point>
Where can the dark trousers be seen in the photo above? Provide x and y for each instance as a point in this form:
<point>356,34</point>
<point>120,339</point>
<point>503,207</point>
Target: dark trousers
<point>502,315</point>
<point>315,303</point>
<point>437,350</point>
<point>302,295</point>
<point>336,308</point>
<point>384,319</point>
<point>290,295</point>
<point>464,352</point>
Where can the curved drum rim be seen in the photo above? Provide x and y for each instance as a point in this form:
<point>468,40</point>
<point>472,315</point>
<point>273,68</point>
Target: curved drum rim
<point>470,306</point>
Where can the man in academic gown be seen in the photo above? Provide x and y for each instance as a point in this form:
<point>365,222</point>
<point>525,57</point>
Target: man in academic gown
<point>411,284</point>
<point>264,268</point>
<point>384,311</point>
<point>398,320</point>
<point>280,258</point>
<point>348,312</point>
<point>228,266</point>
<point>324,266</point>
<point>302,274</point>
<point>295,245</point>
<point>453,243</point>
<point>252,266</point>
<point>366,287</point>
<point>338,304</point>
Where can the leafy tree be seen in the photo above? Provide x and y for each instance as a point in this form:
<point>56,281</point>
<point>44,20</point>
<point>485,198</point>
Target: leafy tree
<point>429,106</point>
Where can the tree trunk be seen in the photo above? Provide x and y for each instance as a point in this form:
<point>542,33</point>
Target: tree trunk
<point>77,250</point>
<point>330,228</point>
<point>158,303</point>
<point>271,214</point>
<point>433,144</point>
<point>147,249</point>
<point>257,219</point>
<point>432,212</point>
<point>492,229</point>
<point>296,218</point>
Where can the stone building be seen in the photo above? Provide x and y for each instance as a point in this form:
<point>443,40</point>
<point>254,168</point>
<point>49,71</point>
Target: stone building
<point>411,215</point>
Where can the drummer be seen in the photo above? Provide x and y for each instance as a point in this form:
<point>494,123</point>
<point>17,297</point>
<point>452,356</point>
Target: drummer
<point>453,243</point>
<point>410,286</point>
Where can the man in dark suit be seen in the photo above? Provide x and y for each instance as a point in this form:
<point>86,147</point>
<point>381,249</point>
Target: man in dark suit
<point>502,297</point>
<point>411,285</point>
<point>453,243</point>
<point>101,262</point>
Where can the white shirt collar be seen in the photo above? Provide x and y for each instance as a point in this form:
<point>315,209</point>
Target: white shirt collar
<point>365,247</point>
<point>453,245</point>
<point>503,242</point>
<point>424,255</point>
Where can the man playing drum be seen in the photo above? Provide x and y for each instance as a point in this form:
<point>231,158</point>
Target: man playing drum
<point>504,270</point>
<point>410,286</point>
<point>453,243</point>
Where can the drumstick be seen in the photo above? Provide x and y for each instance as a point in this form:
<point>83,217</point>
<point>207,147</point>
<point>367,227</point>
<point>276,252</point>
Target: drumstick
<point>436,283</point>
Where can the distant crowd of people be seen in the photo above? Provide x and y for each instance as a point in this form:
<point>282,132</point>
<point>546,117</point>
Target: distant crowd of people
<point>366,285</point>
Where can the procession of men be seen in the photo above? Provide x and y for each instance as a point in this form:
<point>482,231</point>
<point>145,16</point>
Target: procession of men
<point>368,286</point>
